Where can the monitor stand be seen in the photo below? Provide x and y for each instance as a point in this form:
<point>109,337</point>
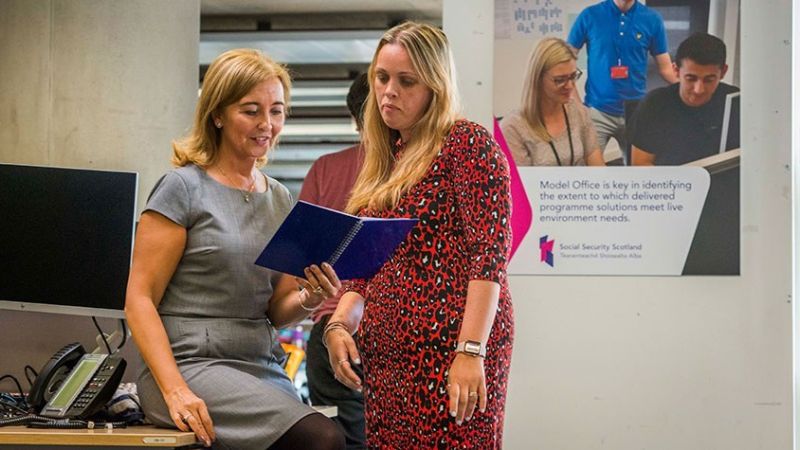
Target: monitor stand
<point>115,339</point>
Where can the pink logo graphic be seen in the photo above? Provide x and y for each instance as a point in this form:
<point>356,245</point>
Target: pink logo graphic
<point>546,250</point>
<point>521,214</point>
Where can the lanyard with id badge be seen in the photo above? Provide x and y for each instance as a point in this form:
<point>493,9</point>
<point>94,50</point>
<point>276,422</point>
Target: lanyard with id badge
<point>620,72</point>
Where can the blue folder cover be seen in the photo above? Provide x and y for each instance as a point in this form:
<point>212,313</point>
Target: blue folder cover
<point>356,247</point>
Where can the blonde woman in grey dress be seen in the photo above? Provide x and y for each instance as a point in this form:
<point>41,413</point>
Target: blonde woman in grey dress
<point>551,128</point>
<point>202,314</point>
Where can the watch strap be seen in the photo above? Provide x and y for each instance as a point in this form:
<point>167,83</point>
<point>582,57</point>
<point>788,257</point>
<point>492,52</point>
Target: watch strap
<point>472,348</point>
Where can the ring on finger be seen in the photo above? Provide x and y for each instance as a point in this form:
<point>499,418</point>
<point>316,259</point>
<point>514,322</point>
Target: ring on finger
<point>318,290</point>
<point>342,361</point>
<point>185,418</point>
<point>473,394</point>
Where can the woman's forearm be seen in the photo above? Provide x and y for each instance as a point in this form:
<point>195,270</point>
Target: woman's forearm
<point>480,310</point>
<point>292,307</point>
<point>290,304</point>
<point>349,311</point>
<point>151,338</point>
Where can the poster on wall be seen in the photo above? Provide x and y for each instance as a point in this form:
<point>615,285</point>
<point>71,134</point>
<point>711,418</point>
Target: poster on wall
<point>634,221</point>
<point>649,107</point>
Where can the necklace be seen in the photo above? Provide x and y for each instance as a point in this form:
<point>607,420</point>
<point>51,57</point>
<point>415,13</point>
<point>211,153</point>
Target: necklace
<point>569,135</point>
<point>245,193</point>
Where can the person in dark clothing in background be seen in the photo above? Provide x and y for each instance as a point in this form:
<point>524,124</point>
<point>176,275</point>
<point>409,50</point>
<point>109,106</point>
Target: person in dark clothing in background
<point>328,184</point>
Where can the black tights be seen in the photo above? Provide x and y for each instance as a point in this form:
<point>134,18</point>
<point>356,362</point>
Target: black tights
<point>312,432</point>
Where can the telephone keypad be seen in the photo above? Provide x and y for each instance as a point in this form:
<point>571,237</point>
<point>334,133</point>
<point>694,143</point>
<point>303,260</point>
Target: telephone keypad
<point>99,388</point>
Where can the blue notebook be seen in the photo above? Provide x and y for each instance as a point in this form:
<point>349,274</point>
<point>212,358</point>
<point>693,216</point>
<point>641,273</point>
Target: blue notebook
<point>356,247</point>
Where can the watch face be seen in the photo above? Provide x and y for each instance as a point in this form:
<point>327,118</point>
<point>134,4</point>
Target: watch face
<point>472,347</point>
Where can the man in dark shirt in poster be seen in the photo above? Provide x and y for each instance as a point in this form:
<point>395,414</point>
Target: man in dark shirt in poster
<point>683,122</point>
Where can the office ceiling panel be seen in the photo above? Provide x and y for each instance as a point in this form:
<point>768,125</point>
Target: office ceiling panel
<point>431,9</point>
<point>328,47</point>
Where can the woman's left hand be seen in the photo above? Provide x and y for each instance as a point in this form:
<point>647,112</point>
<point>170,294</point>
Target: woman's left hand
<point>321,283</point>
<point>466,386</point>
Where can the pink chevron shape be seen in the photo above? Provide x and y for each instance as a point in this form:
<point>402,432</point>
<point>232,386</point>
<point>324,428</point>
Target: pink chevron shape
<point>521,214</point>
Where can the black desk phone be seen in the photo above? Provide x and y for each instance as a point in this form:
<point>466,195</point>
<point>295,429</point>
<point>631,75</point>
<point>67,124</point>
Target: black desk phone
<point>75,384</point>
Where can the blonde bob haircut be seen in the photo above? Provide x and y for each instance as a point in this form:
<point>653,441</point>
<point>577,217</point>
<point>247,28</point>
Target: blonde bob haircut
<point>382,181</point>
<point>548,53</point>
<point>231,76</point>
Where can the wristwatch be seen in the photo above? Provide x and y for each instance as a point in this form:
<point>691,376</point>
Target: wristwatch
<point>472,348</point>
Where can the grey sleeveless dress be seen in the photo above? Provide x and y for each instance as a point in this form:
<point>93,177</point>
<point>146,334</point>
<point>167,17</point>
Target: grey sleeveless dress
<point>214,310</point>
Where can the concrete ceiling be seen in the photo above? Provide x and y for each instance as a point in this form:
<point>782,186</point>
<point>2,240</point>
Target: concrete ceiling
<point>319,39</point>
<point>431,9</point>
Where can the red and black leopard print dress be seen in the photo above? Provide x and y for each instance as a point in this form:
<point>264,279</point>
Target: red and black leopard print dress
<point>415,303</point>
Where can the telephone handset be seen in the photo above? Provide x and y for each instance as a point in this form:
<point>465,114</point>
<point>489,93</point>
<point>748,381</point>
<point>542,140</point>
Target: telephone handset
<point>53,373</point>
<point>75,384</point>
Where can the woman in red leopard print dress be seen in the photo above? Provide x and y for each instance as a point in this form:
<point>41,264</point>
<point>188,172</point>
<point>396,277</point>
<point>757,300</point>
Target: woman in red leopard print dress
<point>435,323</point>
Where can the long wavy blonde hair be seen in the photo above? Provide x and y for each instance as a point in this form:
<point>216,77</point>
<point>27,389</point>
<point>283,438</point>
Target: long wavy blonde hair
<point>548,53</point>
<point>381,181</point>
<point>229,78</point>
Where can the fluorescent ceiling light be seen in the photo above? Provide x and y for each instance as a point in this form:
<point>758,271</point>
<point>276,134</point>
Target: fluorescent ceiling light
<point>296,47</point>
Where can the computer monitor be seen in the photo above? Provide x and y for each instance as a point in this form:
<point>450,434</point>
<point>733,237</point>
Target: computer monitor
<point>729,137</point>
<point>66,239</point>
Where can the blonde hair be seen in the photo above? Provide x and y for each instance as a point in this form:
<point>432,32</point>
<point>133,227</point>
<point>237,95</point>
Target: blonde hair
<point>229,78</point>
<point>548,53</point>
<point>381,182</point>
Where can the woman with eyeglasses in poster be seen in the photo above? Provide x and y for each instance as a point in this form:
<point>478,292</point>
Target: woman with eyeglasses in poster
<point>551,128</point>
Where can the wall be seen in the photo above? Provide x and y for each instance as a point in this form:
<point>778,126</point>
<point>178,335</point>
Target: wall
<point>91,84</point>
<point>795,95</point>
<point>472,21</point>
<point>673,363</point>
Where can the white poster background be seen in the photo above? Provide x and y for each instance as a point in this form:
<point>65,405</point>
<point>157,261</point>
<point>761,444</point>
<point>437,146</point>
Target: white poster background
<point>535,19</point>
<point>610,221</point>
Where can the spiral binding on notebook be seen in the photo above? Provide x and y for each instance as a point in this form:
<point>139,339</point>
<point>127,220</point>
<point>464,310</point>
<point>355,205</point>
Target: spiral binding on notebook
<point>345,242</point>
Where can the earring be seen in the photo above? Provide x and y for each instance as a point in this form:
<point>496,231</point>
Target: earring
<point>218,124</point>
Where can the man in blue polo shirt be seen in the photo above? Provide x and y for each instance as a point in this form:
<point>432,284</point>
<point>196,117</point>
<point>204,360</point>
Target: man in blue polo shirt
<point>618,35</point>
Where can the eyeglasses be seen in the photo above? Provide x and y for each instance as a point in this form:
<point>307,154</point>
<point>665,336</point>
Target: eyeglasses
<point>562,80</point>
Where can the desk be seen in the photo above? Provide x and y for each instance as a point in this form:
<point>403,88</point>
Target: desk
<point>132,437</point>
<point>137,437</point>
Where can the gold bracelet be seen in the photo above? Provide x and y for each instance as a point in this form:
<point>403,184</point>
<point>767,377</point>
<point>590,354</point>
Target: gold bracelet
<point>333,326</point>
<point>300,300</point>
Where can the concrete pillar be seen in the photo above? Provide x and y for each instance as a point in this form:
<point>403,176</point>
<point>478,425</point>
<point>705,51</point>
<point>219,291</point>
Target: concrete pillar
<point>97,84</point>
<point>91,84</point>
